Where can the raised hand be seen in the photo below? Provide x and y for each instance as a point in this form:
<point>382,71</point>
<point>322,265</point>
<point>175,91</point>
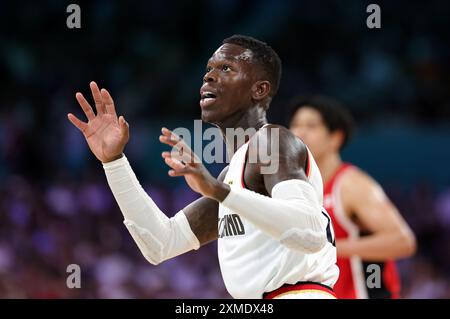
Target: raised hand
<point>183,162</point>
<point>105,134</point>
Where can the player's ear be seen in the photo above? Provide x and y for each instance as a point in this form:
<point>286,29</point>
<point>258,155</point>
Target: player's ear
<point>337,139</point>
<point>260,90</point>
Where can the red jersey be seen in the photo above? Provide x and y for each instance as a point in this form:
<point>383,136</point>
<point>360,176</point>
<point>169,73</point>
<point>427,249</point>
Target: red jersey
<point>353,271</point>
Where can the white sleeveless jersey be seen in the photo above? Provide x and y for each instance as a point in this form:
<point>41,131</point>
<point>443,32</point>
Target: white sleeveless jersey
<point>252,262</point>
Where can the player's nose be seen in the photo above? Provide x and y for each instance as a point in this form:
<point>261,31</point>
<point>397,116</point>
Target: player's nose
<point>210,77</point>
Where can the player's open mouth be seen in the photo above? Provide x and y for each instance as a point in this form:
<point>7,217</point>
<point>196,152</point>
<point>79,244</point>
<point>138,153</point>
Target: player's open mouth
<point>207,99</point>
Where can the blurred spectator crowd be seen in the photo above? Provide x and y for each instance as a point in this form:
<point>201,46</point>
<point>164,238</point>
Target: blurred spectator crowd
<point>43,230</point>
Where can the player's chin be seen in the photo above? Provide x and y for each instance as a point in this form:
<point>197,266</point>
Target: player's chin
<point>210,116</point>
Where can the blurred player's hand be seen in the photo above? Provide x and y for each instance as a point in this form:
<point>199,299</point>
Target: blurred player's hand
<point>184,162</point>
<point>105,134</point>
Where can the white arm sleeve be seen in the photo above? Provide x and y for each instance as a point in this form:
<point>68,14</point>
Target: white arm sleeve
<point>157,236</point>
<point>293,215</point>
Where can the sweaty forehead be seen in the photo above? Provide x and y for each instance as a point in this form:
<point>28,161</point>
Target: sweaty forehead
<point>232,52</point>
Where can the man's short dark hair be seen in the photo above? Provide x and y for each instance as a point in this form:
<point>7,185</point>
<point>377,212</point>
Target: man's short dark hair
<point>335,116</point>
<point>263,55</point>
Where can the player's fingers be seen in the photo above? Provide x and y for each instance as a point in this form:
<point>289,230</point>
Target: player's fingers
<point>85,106</point>
<point>186,153</point>
<point>165,154</point>
<point>174,140</point>
<point>174,173</point>
<point>78,123</point>
<point>174,163</point>
<point>171,135</point>
<point>108,102</point>
<point>124,126</point>
<point>99,106</point>
<point>167,140</point>
<point>182,155</point>
<point>180,172</point>
<point>179,146</point>
<point>166,132</point>
<point>176,156</point>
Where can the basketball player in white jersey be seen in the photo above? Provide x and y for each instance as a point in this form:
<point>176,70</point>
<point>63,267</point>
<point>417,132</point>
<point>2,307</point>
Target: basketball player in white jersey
<point>275,239</point>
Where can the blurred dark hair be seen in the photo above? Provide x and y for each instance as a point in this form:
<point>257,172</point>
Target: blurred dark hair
<point>263,55</point>
<point>334,115</point>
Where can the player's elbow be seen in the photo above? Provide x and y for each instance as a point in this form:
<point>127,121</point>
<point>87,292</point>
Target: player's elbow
<point>409,243</point>
<point>152,260</point>
<point>308,236</point>
<point>305,241</point>
<point>404,242</point>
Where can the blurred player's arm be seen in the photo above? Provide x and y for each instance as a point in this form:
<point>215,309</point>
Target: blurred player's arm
<point>390,236</point>
<point>157,236</point>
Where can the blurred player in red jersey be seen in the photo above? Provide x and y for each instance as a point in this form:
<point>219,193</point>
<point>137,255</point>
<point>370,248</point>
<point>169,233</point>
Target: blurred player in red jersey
<point>368,227</point>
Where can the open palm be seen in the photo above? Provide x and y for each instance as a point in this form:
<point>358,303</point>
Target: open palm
<point>105,133</point>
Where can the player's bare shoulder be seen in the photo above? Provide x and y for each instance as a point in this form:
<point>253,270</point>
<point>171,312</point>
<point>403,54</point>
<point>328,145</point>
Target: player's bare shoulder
<point>278,140</point>
<point>281,155</point>
<point>357,186</point>
<point>357,181</point>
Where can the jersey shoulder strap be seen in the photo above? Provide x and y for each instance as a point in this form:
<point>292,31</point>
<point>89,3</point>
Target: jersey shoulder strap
<point>329,185</point>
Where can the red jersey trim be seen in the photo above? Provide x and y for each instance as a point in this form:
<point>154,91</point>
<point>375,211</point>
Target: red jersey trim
<point>243,170</point>
<point>299,287</point>
<point>308,168</point>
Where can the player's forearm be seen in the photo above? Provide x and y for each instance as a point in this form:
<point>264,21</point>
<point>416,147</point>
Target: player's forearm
<point>292,215</point>
<point>377,247</point>
<point>157,236</point>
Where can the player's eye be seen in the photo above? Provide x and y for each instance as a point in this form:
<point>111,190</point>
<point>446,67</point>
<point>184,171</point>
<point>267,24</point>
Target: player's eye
<point>226,68</point>
<point>208,69</point>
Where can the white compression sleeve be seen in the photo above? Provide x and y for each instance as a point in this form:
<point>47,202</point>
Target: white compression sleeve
<point>157,236</point>
<point>292,215</point>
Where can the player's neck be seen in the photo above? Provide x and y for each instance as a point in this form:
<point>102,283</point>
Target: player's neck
<point>328,165</point>
<point>254,117</point>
